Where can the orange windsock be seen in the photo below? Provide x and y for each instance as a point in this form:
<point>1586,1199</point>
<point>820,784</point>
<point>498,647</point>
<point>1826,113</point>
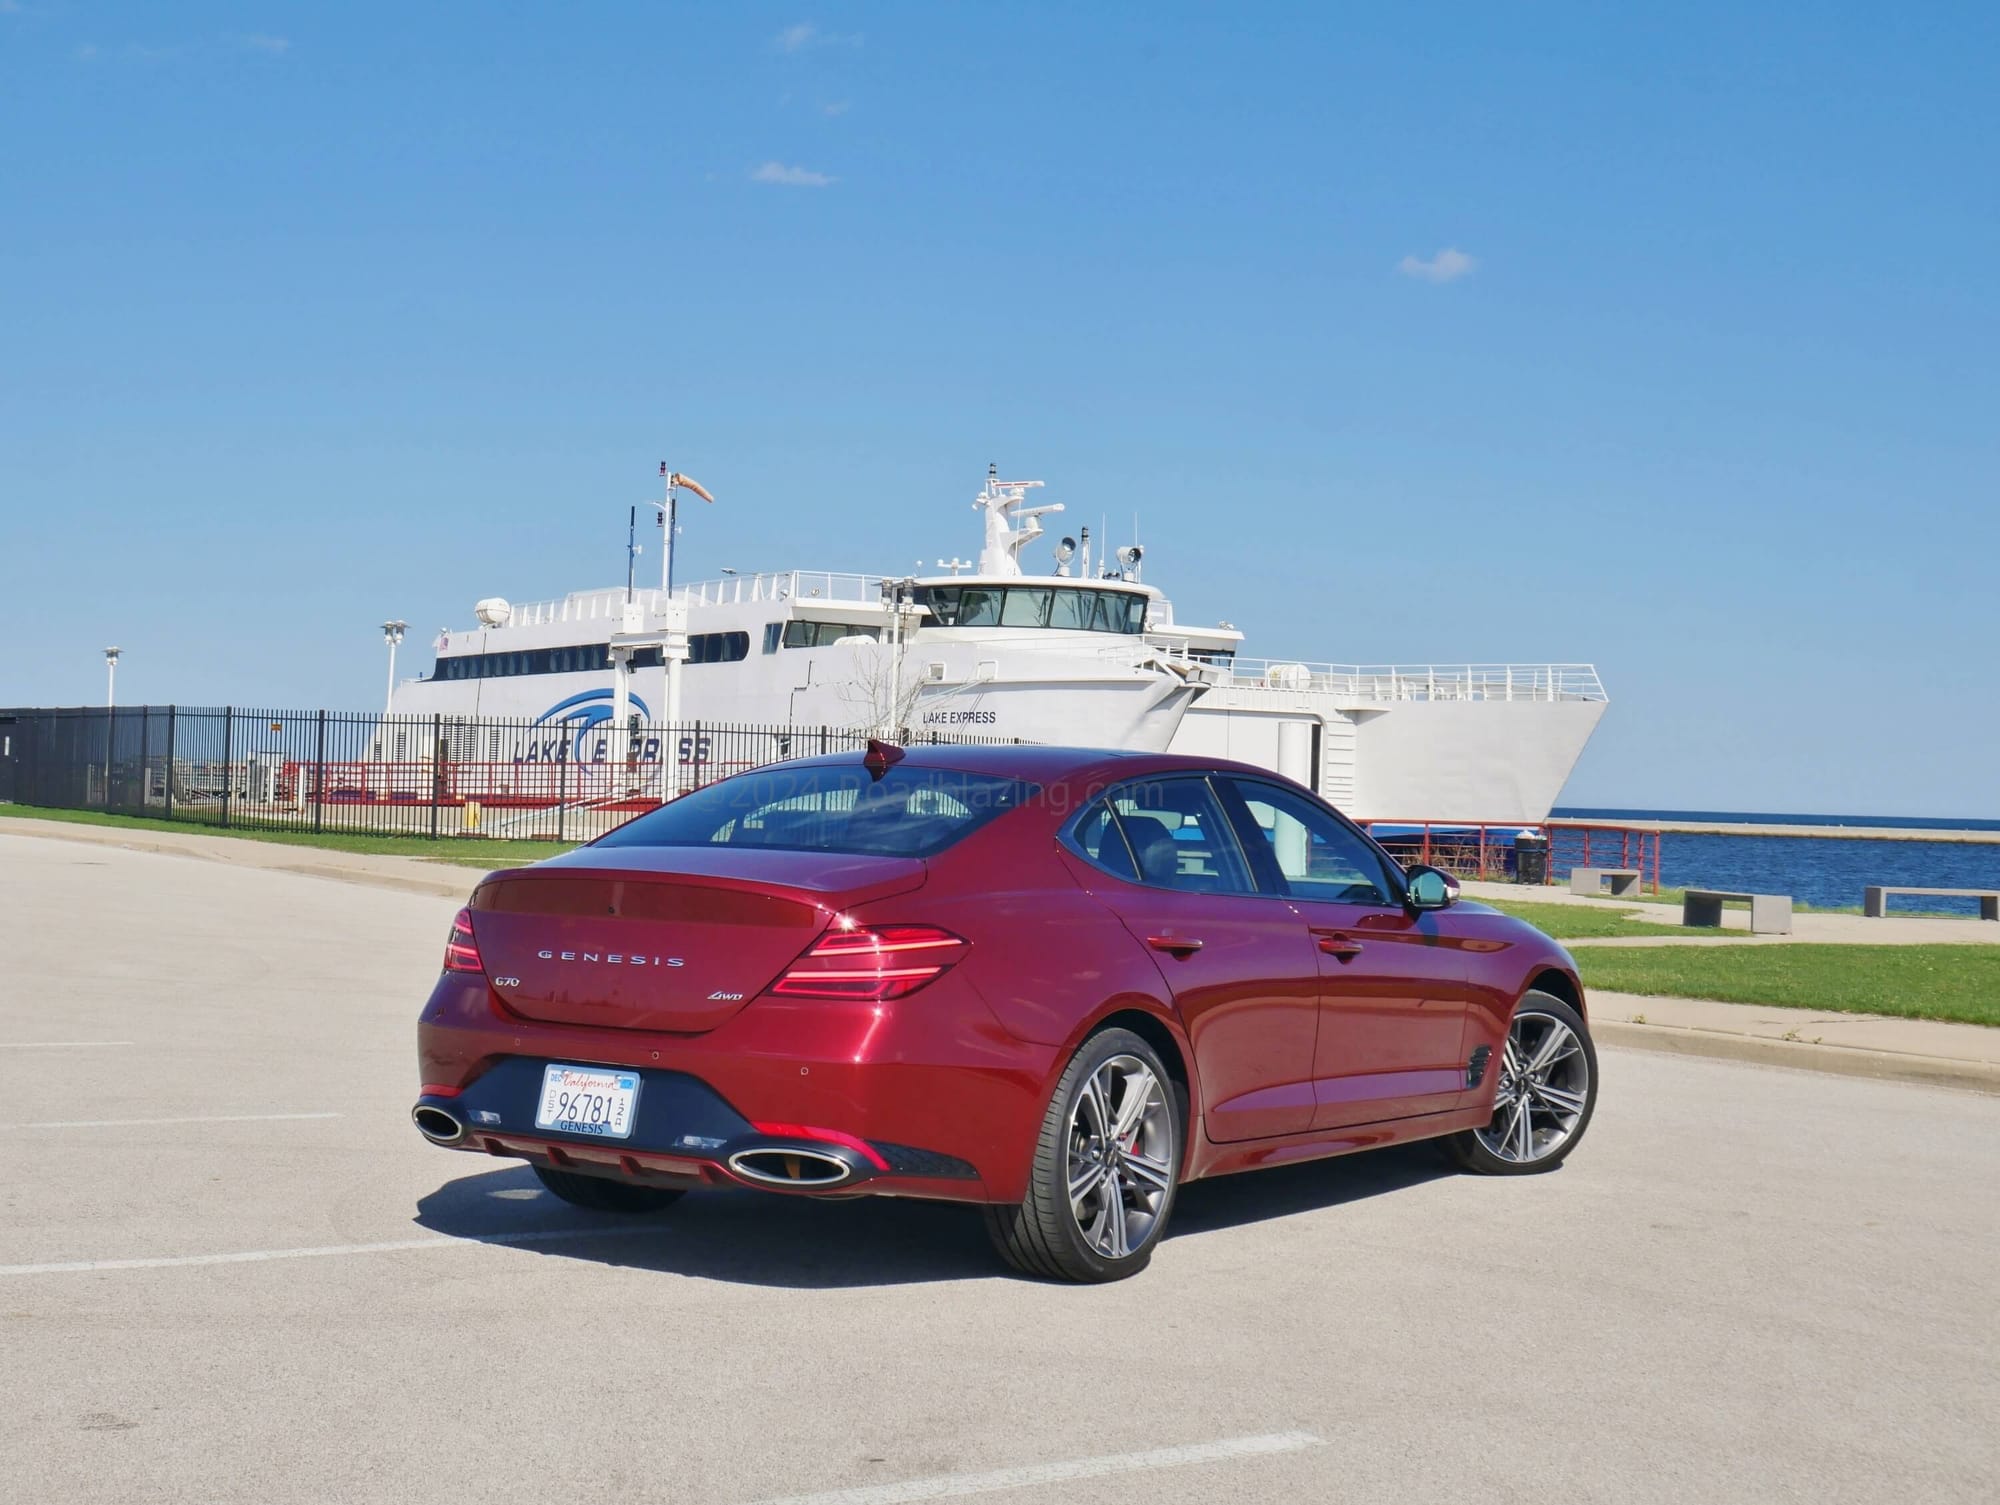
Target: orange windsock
<point>677,479</point>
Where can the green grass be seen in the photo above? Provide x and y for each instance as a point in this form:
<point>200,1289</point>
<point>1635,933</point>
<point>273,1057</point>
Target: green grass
<point>462,851</point>
<point>1910,982</point>
<point>1566,922</point>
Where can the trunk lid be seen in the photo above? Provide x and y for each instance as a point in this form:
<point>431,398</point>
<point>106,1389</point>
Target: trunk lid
<point>675,939</point>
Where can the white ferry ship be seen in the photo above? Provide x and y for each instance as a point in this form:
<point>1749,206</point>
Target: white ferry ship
<point>1081,651</point>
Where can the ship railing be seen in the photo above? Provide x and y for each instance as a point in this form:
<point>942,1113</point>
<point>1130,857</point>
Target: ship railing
<point>1389,682</point>
<point>776,585</point>
<point>606,605</point>
<point>784,585</point>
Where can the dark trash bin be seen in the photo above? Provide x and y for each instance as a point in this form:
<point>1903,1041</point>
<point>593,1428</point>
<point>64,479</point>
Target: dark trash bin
<point>1531,857</point>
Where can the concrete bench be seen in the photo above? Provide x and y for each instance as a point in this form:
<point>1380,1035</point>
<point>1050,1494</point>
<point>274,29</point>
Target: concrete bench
<point>1875,898</point>
<point>1770,914</point>
<point>1591,880</point>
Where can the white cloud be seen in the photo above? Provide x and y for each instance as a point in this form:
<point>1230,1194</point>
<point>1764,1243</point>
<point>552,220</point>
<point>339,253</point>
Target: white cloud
<point>790,177</point>
<point>838,107</point>
<point>803,36</point>
<point>87,53</point>
<point>265,44</point>
<point>1448,265</point>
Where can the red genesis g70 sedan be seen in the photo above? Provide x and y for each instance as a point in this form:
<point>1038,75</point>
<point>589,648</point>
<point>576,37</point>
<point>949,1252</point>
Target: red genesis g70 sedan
<point>1053,982</point>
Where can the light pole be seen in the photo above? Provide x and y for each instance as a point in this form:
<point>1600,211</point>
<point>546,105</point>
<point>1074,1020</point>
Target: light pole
<point>392,634</point>
<point>111,676</point>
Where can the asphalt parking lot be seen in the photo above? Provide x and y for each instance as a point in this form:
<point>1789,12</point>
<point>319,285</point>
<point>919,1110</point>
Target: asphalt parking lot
<point>230,1270</point>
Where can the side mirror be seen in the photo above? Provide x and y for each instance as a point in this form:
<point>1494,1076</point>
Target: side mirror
<point>1431,889</point>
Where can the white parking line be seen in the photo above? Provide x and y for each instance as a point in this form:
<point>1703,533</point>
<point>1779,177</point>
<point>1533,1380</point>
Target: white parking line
<point>948,1486</point>
<point>148,1123</point>
<point>55,1044</point>
<point>327,1251</point>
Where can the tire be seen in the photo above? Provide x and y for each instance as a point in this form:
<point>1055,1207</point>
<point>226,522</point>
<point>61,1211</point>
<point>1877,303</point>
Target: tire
<point>601,1194</point>
<point>1084,1239</point>
<point>1560,1097</point>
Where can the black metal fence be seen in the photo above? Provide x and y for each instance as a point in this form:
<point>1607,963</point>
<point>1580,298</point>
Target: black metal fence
<point>429,776</point>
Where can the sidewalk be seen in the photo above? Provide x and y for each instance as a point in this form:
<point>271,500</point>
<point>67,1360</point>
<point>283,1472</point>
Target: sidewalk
<point>410,874</point>
<point>1912,1050</point>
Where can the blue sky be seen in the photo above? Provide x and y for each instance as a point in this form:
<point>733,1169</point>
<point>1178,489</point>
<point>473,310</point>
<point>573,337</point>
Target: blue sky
<point>1664,340</point>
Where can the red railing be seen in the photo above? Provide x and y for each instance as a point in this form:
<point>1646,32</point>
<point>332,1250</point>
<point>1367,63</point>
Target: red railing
<point>1579,844</point>
<point>1485,849</point>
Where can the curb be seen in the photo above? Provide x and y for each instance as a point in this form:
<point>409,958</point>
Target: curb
<point>1838,1060</point>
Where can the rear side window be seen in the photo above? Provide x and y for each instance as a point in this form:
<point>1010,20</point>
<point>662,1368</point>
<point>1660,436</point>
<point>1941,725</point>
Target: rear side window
<point>1179,836</point>
<point>908,812</point>
<point>1096,835</point>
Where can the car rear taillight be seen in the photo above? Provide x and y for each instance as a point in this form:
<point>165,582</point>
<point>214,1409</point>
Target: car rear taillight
<point>461,951</point>
<point>871,962</point>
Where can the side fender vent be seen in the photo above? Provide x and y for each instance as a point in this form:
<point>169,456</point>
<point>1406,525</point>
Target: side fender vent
<point>1475,1069</point>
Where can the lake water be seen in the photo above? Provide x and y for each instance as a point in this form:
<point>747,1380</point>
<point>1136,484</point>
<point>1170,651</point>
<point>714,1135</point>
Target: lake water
<point>1823,870</point>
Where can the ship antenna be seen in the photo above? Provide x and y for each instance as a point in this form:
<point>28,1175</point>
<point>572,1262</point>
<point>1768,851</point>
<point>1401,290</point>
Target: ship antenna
<point>667,534</point>
<point>631,548</point>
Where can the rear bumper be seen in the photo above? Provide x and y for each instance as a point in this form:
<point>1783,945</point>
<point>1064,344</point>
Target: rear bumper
<point>926,1097</point>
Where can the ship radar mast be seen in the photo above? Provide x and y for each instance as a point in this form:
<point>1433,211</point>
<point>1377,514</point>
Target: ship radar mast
<point>1011,524</point>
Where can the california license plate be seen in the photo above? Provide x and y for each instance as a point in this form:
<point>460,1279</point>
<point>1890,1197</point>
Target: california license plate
<point>588,1100</point>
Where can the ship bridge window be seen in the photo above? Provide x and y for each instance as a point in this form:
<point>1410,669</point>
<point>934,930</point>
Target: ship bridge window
<point>819,634</point>
<point>979,608</point>
<point>1025,608</point>
<point>1070,608</point>
<point>716,647</point>
<point>774,634</point>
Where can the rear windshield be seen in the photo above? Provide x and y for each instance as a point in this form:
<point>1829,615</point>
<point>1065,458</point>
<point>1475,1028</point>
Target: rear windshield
<point>908,812</point>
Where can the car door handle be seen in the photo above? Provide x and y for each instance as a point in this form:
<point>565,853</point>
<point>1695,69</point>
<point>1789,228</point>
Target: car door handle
<point>1173,945</point>
<point>1343,946</point>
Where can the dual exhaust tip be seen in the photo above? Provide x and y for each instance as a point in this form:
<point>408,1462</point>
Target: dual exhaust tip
<point>793,1167</point>
<point>438,1125</point>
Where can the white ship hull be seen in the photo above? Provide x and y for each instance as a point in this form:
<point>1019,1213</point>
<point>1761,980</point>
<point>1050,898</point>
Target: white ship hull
<point>1497,762</point>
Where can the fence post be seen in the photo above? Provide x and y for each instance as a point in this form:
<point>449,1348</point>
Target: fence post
<point>697,753</point>
<point>562,781</point>
<point>228,769</point>
<point>110,722</point>
<point>437,768</point>
<point>170,760</point>
<point>319,772</point>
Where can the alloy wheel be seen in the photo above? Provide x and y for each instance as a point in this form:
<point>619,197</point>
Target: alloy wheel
<point>1119,1169</point>
<point>1544,1089</point>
